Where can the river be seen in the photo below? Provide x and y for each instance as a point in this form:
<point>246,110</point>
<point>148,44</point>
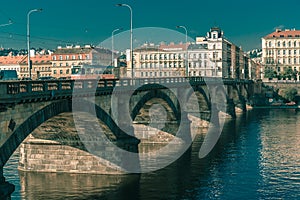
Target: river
<point>257,157</point>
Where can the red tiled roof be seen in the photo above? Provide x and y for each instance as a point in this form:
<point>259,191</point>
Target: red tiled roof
<point>11,60</point>
<point>38,59</point>
<point>284,34</point>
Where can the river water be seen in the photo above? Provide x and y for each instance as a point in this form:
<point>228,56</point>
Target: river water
<point>257,157</point>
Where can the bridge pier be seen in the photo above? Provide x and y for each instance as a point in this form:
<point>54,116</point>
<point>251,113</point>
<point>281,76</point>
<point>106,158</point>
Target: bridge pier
<point>6,188</point>
<point>242,104</point>
<point>184,131</point>
<point>230,108</point>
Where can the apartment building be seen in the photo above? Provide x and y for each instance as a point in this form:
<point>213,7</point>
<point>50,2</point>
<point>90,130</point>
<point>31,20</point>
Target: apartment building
<point>226,59</point>
<point>11,63</point>
<point>281,50</point>
<point>162,60</point>
<point>41,66</point>
<point>73,59</point>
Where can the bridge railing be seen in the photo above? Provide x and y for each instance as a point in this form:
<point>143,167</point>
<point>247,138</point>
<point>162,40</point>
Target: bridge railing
<point>14,91</point>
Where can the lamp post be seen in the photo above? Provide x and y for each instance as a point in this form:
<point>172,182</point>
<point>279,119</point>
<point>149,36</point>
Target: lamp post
<point>131,41</point>
<point>186,46</point>
<point>28,37</point>
<point>112,44</point>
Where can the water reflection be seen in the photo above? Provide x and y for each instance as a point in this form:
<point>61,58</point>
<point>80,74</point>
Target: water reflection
<point>75,186</point>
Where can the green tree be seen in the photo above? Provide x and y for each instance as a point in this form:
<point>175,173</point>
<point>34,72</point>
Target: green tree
<point>270,73</point>
<point>289,73</point>
<point>290,93</point>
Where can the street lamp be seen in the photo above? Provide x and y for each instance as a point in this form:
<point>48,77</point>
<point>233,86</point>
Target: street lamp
<point>186,46</point>
<point>112,44</point>
<point>28,36</point>
<point>131,43</point>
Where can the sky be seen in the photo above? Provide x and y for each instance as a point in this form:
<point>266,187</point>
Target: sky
<point>69,22</point>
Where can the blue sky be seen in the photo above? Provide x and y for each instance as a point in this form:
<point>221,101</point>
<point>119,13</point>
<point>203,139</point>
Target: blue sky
<point>65,22</point>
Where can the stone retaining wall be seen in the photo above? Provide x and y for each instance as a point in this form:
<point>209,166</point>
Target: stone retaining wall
<point>48,156</point>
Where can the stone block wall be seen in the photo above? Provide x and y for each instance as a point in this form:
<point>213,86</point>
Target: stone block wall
<point>49,156</point>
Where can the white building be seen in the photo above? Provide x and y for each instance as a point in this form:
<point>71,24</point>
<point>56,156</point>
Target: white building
<point>212,56</point>
<point>170,60</point>
<point>281,50</point>
<point>227,59</point>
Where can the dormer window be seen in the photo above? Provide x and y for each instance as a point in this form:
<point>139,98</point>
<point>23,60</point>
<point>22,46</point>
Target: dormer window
<point>214,35</point>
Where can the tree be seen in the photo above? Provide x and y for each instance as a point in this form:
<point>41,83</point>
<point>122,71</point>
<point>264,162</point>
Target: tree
<point>289,73</point>
<point>270,73</point>
<point>290,94</point>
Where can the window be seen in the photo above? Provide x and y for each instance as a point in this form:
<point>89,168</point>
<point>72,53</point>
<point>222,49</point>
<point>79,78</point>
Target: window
<point>289,43</point>
<point>270,44</point>
<point>67,71</point>
<point>60,57</point>
<point>80,57</point>
<point>283,52</point>
<point>278,44</point>
<point>278,52</point>
<point>67,64</point>
<point>61,71</point>
<point>73,57</point>
<point>283,44</point>
<point>295,52</point>
<point>54,71</point>
<point>295,44</point>
<point>87,56</point>
<point>53,57</point>
<point>290,52</point>
<point>67,57</point>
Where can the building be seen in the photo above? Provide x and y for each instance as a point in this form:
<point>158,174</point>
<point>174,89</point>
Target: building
<point>281,51</point>
<point>72,59</point>
<point>212,56</point>
<point>227,59</point>
<point>11,63</point>
<point>41,66</point>
<point>170,60</point>
<point>162,60</point>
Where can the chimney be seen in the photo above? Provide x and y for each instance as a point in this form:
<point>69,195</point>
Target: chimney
<point>278,30</point>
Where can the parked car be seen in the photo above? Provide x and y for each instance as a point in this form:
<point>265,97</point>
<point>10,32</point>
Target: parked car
<point>8,75</point>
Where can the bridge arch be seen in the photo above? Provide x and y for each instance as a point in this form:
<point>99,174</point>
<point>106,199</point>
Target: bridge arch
<point>49,111</point>
<point>156,94</point>
<point>237,96</point>
<point>201,91</point>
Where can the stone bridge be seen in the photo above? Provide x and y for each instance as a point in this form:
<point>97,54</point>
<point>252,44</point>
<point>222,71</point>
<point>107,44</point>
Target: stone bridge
<point>25,105</point>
